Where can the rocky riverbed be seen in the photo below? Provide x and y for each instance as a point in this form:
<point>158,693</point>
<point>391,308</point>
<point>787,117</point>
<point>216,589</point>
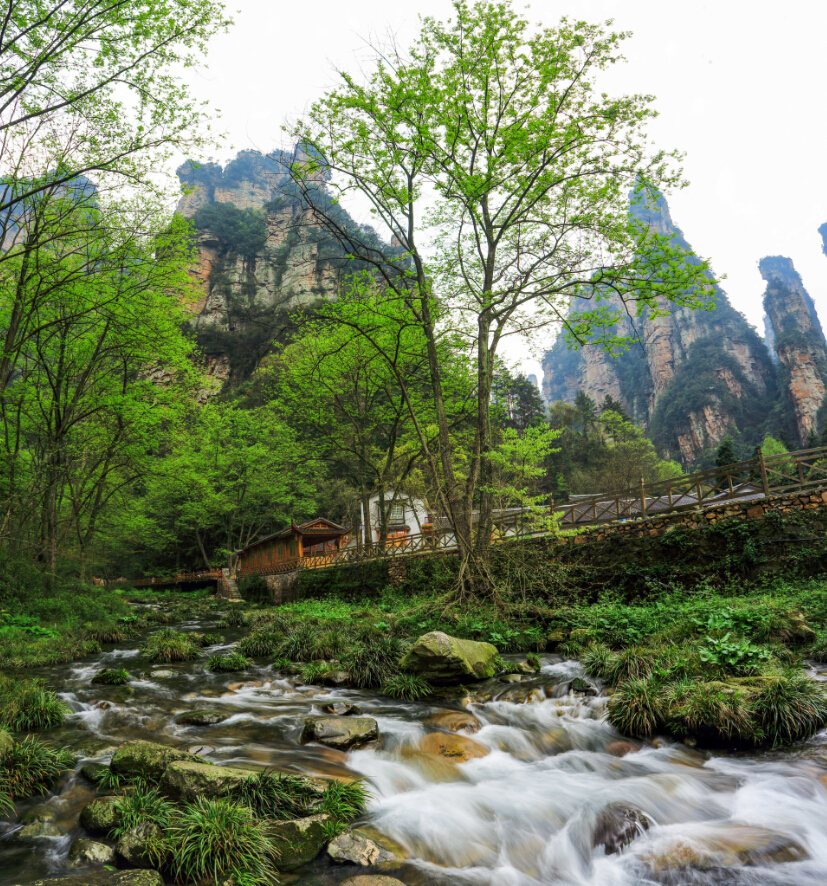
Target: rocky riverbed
<point>512,781</point>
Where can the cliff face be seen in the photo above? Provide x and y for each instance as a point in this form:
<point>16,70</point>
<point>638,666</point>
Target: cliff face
<point>799,342</point>
<point>259,258</point>
<point>685,380</point>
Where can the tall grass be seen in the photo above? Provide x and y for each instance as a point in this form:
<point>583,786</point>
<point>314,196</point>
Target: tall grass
<point>276,795</point>
<point>168,645</point>
<point>233,661</point>
<point>142,804</point>
<point>32,767</point>
<point>27,705</point>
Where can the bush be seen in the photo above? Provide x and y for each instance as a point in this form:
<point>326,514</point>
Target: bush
<point>216,840</point>
<point>107,633</point>
<point>27,705</point>
<point>234,661</point>
<point>168,645</point>
<point>408,687</point>
<point>299,643</point>
<point>637,707</point>
<point>233,618</point>
<point>32,767</point>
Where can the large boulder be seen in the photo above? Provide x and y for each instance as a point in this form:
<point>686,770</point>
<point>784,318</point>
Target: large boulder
<point>340,732</point>
<point>357,847</point>
<point>101,815</point>
<point>443,659</point>
<point>134,849</point>
<point>185,780</point>
<point>85,852</point>
<point>104,878</point>
<point>300,840</point>
<point>145,759</point>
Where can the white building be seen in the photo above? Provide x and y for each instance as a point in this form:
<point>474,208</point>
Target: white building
<point>405,517</point>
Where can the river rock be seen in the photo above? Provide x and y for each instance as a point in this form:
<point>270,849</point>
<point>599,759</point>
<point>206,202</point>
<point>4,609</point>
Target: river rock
<point>186,780</point>
<point>94,747</point>
<point>133,849</point>
<point>89,852</point>
<point>41,812</point>
<point>340,708</point>
<point>357,848</point>
<point>455,721</point>
<point>372,880</point>
<point>245,684</point>
<point>6,744</point>
<point>582,686</point>
<point>621,748</point>
<point>145,759</point>
<point>511,678</point>
<point>441,658</point>
<point>797,629</point>
<point>457,748</point>
<point>300,840</point>
<point>105,878</point>
<point>334,679</point>
<point>94,772</point>
<point>101,815</point>
<point>38,829</point>
<point>616,826</point>
<point>163,674</point>
<point>202,718</point>
<point>341,733</point>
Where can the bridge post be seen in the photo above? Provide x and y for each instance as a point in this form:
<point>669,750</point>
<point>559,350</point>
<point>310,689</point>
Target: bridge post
<point>642,499</point>
<point>764,485</point>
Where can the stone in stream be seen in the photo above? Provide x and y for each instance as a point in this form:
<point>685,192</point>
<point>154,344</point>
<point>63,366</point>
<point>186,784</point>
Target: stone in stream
<point>94,747</point>
<point>94,772</point>
<point>511,678</point>
<point>145,759</point>
<point>341,733</point>
<point>455,721</point>
<point>299,841</point>
<point>441,658</point>
<point>89,852</point>
<point>134,847</point>
<point>457,748</point>
<point>621,748</point>
<point>355,847</point>
<point>371,880</point>
<point>581,685</point>
<point>616,826</point>
<point>334,678</point>
<point>41,812</point>
<point>108,677</point>
<point>340,708</point>
<point>104,878</point>
<point>38,829</point>
<point>101,815</point>
<point>202,718</point>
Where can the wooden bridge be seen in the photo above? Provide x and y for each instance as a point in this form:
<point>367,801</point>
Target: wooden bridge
<point>755,478</point>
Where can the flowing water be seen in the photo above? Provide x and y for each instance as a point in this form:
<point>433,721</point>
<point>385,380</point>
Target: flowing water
<point>531,811</point>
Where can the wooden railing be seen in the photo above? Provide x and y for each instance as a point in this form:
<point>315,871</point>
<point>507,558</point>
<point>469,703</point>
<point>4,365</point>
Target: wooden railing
<point>752,479</point>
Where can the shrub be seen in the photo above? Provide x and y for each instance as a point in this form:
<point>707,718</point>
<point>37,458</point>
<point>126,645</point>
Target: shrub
<point>217,839</point>
<point>112,676</point>
<point>168,645</point>
<point>634,662</point>
<point>276,795</point>
<point>32,767</point>
<point>27,705</point>
<point>144,803</point>
<point>235,661</point>
<point>409,687</point>
<point>212,640</point>
<point>328,644</point>
<point>637,707</point>
<point>261,643</point>
<point>788,707</point>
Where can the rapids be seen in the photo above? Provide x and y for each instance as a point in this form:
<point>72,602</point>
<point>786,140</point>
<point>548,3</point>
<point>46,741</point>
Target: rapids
<point>526,813</point>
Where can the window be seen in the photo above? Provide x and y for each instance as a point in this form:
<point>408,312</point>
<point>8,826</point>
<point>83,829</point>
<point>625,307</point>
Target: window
<point>397,513</point>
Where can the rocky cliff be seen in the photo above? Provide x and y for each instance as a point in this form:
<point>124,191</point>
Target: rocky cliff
<point>691,377</point>
<point>799,342</point>
<point>259,258</point>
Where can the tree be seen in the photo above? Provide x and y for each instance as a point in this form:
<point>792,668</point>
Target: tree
<point>725,454</point>
<point>526,169</point>
<point>516,401</point>
<point>609,404</point>
<point>630,457</point>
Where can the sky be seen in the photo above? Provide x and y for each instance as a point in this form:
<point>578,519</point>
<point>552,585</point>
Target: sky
<point>739,89</point>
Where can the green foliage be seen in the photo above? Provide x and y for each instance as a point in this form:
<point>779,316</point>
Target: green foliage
<point>27,705</point>
<point>112,676</point>
<point>234,661</point>
<point>168,645</point>
<point>276,795</point>
<point>373,663</point>
<point>725,454</point>
<point>243,230</point>
<point>408,687</point>
<point>737,655</point>
<point>233,618</point>
<point>344,802</point>
<point>255,589</point>
<point>261,642</point>
<point>637,707</point>
<point>32,767</point>
<point>789,707</point>
<point>142,804</point>
<point>219,839</point>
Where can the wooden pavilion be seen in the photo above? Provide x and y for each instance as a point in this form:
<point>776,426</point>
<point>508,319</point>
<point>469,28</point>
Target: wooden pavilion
<point>282,551</point>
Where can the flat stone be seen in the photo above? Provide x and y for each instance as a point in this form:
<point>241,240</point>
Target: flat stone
<point>94,747</point>
<point>43,812</point>
<point>186,780</point>
<point>372,880</point>
<point>89,852</point>
<point>162,674</point>
<point>455,721</point>
<point>341,733</point>
<point>145,759</point>
<point>38,829</point>
<point>202,718</point>
<point>357,848</point>
<point>104,878</point>
<point>511,678</point>
<point>246,684</point>
<point>458,748</point>
<point>299,841</point>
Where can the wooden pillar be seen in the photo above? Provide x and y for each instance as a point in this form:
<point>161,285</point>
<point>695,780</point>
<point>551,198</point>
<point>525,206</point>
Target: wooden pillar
<point>642,498</point>
<point>764,485</point>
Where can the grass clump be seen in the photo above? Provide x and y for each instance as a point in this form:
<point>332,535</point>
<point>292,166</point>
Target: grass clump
<point>168,645</point>
<point>233,618</point>
<point>276,795</point>
<point>27,705</point>
<point>112,676</point>
<point>32,767</point>
<point>218,839</point>
<point>637,707</point>
<point>233,661</point>
<point>344,802</point>
<point>106,633</point>
<point>373,663</point>
<point>142,804</point>
<point>261,642</point>
<point>788,707</point>
<point>408,687</point>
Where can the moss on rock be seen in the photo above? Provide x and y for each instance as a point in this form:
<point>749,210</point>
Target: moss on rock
<point>440,658</point>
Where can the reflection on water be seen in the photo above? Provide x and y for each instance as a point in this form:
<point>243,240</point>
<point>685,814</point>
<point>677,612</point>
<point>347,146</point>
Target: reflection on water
<point>545,785</point>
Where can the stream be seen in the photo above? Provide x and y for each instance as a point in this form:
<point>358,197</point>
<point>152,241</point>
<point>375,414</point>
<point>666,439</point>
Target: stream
<point>530,811</point>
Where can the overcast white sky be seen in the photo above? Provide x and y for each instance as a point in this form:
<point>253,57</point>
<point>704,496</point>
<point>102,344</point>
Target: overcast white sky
<point>740,88</point>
